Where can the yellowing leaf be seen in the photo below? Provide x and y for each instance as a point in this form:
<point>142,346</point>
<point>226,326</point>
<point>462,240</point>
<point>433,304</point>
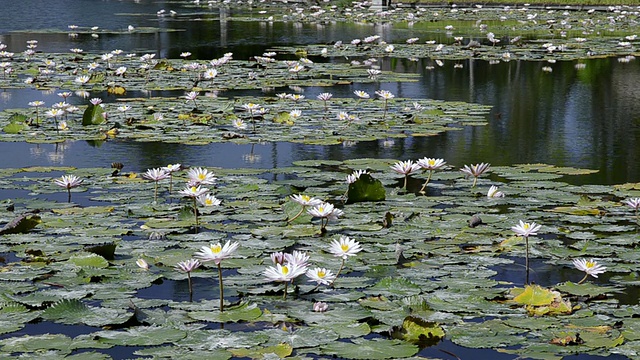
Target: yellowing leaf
<point>282,350</point>
<point>534,295</point>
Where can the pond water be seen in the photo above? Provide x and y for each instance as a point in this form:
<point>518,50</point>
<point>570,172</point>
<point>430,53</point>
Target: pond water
<point>585,116</point>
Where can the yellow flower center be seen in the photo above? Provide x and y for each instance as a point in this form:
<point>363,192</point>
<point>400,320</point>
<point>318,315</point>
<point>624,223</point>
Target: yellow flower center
<point>344,247</point>
<point>285,270</point>
<point>216,249</point>
<point>201,176</point>
<point>589,264</point>
<point>208,202</point>
<point>320,209</point>
<point>306,197</point>
<point>431,162</point>
<point>194,189</point>
<point>321,274</point>
<point>526,226</point>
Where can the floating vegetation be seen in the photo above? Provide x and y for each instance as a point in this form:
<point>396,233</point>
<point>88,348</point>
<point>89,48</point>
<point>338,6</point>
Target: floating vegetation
<point>417,271</point>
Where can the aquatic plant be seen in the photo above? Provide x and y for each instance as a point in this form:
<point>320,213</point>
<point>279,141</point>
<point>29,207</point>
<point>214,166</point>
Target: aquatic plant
<point>217,253</point>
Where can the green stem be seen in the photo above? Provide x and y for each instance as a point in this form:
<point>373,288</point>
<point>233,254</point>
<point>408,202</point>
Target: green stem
<point>339,271</point>
<point>170,183</point>
<point>190,286</point>
<point>405,182</point>
<point>195,212</point>
<point>583,279</point>
<point>475,180</point>
<point>69,194</point>
<point>155,193</point>
<point>526,239</point>
<point>286,284</point>
<point>426,182</point>
<point>297,215</point>
<point>221,286</point>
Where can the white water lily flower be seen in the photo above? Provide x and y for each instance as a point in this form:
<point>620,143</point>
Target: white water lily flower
<point>526,229</point>
<point>306,200</point>
<point>431,163</point>
<point>188,266</point>
<point>321,276</point>
<point>405,167</point>
<point>142,264</point>
<point>494,193</point>
<point>156,174</point>
<point>590,267</point>
<point>193,191</point>
<point>217,252</point>
<point>325,210</point>
<point>200,176</point>
<point>68,181</point>
<point>345,247</point>
<point>283,273</point>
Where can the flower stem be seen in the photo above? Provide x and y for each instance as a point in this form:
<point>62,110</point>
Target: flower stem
<point>221,286</point>
<point>155,193</point>
<point>69,194</point>
<point>170,183</point>
<point>297,215</point>
<point>190,286</point>
<point>286,284</point>
<point>475,180</point>
<point>583,279</point>
<point>426,182</point>
<point>405,182</point>
<point>195,213</point>
<point>526,260</point>
<point>339,271</point>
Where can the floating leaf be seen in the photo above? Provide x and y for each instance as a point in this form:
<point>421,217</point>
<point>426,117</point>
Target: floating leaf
<point>242,312</point>
<point>365,188</point>
<point>418,331</point>
<point>93,115</point>
<point>370,349</point>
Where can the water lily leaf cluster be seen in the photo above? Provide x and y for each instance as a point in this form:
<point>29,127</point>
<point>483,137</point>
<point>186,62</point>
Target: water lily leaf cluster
<point>422,277</point>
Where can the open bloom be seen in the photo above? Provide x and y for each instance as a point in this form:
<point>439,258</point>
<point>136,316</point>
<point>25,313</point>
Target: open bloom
<point>239,124</point>
<point>321,276</point>
<point>208,200</point>
<point>633,203</point>
<point>188,266</point>
<point>405,167</point>
<point>362,94</point>
<point>526,229</point>
<point>306,200</point>
<point>68,181</point>
<point>385,94</point>
<point>590,267</point>
<point>475,170</point>
<point>353,177</point>
<point>200,176</point>
<point>431,163</point>
<point>284,273</point>
<point>156,174</point>
<point>193,191</point>
<point>217,252</point>
<point>172,168</point>
<point>299,258</point>
<point>494,193</point>
<point>345,247</point>
<point>325,210</point>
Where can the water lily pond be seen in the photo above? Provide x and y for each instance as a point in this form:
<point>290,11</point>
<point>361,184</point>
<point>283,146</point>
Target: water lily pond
<point>353,182</point>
